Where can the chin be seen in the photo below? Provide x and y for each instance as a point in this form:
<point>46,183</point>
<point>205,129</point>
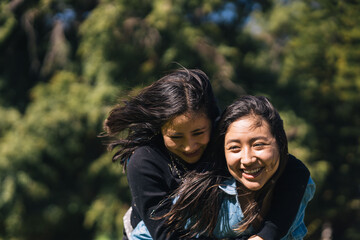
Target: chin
<point>191,161</point>
<point>253,187</point>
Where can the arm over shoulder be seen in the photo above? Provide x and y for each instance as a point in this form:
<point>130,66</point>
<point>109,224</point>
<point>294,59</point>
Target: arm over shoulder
<point>288,194</point>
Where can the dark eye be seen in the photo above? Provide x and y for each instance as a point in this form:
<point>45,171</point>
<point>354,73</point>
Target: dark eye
<point>175,137</point>
<point>197,133</point>
<point>259,145</point>
<point>232,148</point>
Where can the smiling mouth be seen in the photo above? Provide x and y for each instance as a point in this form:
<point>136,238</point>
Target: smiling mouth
<point>252,173</point>
<point>192,154</point>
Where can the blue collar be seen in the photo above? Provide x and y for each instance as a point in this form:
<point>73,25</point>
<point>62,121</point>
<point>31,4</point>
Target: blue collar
<point>229,186</point>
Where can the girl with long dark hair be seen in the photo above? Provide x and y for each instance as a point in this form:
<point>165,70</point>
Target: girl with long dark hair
<point>160,134</point>
<point>249,154</point>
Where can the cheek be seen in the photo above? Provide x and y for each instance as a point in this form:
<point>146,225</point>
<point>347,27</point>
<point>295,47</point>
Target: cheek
<point>233,167</point>
<point>268,154</point>
<point>230,160</point>
<point>169,143</point>
<point>205,139</point>
<point>275,164</point>
<point>202,140</point>
<point>273,160</point>
<point>276,157</point>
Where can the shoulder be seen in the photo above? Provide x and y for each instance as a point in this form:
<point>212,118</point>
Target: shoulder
<point>147,155</point>
<point>149,169</point>
<point>310,189</point>
<point>295,175</point>
<point>296,166</point>
<point>298,228</point>
<point>146,150</point>
<point>147,160</point>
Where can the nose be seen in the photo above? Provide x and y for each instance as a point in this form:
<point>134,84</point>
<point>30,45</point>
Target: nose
<point>189,144</point>
<point>247,157</point>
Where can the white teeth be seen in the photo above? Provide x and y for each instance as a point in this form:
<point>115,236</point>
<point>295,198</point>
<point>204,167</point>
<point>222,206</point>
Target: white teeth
<point>252,171</point>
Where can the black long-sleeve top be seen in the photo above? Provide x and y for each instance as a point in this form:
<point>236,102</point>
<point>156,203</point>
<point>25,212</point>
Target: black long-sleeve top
<point>152,177</point>
<point>288,193</point>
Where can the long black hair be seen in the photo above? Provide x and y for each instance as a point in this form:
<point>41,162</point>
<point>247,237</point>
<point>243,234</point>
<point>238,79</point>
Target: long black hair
<point>199,197</point>
<point>138,121</point>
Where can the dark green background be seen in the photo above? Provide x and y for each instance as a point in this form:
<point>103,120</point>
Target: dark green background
<point>63,64</point>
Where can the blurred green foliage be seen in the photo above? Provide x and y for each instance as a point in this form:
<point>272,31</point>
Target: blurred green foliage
<point>63,64</point>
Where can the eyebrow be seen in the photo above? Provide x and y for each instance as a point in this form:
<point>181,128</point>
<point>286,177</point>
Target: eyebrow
<point>199,129</point>
<point>231,141</point>
<point>251,140</point>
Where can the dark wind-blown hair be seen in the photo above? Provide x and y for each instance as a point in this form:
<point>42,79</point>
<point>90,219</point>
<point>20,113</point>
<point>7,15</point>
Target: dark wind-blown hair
<point>138,121</point>
<point>199,197</point>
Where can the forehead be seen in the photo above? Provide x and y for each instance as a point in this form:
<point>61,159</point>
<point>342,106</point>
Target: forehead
<point>249,125</point>
<point>187,121</point>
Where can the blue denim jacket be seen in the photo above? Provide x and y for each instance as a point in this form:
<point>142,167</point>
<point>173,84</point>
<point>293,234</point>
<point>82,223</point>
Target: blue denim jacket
<point>231,214</point>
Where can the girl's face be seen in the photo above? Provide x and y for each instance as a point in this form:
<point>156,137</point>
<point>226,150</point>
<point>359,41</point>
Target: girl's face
<point>251,152</point>
<point>187,135</point>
